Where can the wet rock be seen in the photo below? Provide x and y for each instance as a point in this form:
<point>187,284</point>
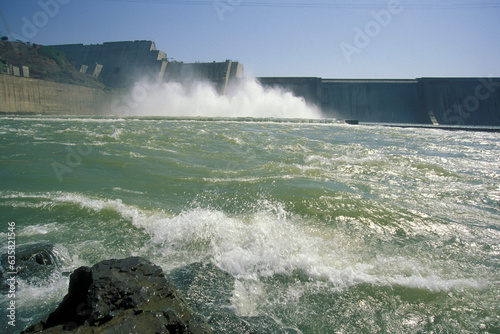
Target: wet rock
<point>122,296</point>
<point>204,284</point>
<point>41,253</point>
<point>35,262</point>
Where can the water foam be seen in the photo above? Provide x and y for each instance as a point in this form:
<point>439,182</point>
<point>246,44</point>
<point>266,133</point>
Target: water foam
<point>272,241</point>
<point>248,98</point>
<point>40,229</point>
<point>51,199</point>
<point>266,241</point>
<point>46,118</point>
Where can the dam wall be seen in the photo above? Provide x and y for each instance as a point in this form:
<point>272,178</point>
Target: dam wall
<point>388,101</point>
<point>438,101</point>
<point>219,73</point>
<point>20,95</point>
<point>308,88</point>
<point>117,64</point>
<point>122,64</point>
<point>461,101</point>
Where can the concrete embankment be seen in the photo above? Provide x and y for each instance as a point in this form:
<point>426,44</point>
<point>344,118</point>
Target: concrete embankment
<point>32,96</point>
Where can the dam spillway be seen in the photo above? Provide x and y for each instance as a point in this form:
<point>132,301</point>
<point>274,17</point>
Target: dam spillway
<point>119,65</point>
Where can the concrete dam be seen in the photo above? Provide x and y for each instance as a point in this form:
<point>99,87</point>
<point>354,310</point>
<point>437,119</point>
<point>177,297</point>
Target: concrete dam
<point>121,64</point>
<point>437,101</point>
<point>118,65</point>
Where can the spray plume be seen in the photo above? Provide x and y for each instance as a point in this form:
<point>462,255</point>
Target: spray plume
<point>246,98</point>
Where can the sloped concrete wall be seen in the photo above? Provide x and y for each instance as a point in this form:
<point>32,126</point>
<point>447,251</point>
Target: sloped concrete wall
<point>32,96</point>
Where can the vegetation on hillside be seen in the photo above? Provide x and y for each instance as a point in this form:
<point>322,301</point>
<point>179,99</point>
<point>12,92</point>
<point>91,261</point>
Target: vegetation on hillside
<point>44,63</point>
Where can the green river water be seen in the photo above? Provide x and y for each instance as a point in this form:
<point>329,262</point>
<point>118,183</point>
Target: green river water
<point>326,227</point>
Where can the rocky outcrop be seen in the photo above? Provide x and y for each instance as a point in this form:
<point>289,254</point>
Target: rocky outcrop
<point>134,296</point>
<point>122,296</point>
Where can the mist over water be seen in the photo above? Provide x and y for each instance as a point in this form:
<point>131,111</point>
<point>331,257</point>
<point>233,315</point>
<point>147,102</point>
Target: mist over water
<point>245,98</point>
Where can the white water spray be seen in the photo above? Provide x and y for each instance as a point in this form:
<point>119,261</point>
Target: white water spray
<point>247,98</point>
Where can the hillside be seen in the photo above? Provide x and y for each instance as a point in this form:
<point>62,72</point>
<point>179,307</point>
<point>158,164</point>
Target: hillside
<point>44,63</point>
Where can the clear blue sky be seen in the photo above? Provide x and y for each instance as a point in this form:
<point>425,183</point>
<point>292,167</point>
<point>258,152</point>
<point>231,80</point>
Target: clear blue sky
<point>319,38</point>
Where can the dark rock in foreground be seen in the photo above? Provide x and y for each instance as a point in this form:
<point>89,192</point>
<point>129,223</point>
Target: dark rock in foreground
<point>122,296</point>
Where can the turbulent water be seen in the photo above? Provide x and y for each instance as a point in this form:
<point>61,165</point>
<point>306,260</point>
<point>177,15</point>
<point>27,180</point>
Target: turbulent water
<point>325,227</point>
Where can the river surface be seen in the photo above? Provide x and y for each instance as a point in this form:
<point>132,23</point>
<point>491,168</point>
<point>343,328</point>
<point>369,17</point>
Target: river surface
<point>325,227</point>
